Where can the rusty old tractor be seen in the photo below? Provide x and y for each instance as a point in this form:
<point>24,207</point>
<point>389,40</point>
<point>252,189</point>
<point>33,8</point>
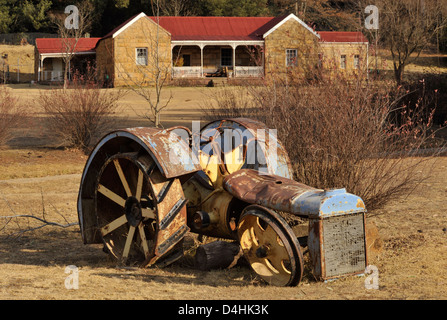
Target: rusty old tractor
<point>144,189</point>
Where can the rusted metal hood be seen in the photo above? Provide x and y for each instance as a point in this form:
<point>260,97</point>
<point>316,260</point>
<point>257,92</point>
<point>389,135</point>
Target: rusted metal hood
<point>329,203</point>
<point>287,195</point>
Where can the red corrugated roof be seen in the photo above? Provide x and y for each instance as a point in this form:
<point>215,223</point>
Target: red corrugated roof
<point>58,45</point>
<point>230,28</point>
<point>342,36</point>
<point>214,28</point>
<point>208,28</point>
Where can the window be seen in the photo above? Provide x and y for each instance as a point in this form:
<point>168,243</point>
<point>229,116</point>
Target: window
<point>356,61</point>
<point>291,57</point>
<point>226,57</point>
<point>343,61</point>
<point>141,58</point>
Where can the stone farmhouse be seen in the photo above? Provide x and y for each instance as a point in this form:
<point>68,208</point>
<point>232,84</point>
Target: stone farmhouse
<point>144,49</point>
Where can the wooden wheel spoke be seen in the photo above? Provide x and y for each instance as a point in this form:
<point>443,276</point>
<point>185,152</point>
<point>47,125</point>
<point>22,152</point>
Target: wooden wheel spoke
<point>143,240</point>
<point>111,195</point>
<point>129,241</point>
<point>148,213</point>
<point>126,207</point>
<point>139,187</point>
<point>113,225</point>
<point>123,179</point>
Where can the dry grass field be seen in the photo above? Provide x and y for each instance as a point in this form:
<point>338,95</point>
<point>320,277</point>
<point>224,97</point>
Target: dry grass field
<point>20,60</point>
<point>37,177</point>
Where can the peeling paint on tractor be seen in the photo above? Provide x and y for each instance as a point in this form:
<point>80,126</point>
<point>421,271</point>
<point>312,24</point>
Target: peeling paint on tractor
<point>255,133</point>
<point>166,146</point>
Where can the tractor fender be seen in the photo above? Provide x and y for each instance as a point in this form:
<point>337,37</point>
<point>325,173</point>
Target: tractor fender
<point>172,155</point>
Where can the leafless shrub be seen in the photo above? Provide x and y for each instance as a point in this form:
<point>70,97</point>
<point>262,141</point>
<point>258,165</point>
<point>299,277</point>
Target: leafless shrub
<point>230,102</point>
<point>81,113</point>
<point>19,228</point>
<point>339,133</point>
<point>11,113</point>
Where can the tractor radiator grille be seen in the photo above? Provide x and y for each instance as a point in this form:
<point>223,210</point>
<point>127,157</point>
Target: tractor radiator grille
<point>344,245</point>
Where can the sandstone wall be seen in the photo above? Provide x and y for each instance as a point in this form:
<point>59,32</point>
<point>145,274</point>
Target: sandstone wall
<point>144,33</point>
<point>291,35</point>
<point>332,61</point>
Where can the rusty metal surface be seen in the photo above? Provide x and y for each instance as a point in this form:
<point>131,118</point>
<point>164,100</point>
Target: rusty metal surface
<point>181,186</point>
<point>171,154</point>
<point>263,151</point>
<point>290,196</point>
<point>270,191</point>
<point>171,214</point>
<point>337,246</point>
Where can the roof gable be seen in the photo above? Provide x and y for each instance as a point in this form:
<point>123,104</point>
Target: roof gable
<point>283,19</point>
<point>126,24</point>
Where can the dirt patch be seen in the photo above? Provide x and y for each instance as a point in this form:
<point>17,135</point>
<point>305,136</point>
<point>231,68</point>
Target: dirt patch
<point>44,181</point>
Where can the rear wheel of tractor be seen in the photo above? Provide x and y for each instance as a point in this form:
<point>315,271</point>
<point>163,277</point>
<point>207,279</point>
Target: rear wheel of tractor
<point>270,246</point>
<point>141,214</point>
<point>126,209</point>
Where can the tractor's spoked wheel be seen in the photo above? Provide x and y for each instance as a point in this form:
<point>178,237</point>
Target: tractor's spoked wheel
<point>125,208</point>
<point>270,246</point>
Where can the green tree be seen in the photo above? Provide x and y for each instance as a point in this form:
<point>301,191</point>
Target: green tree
<point>236,8</point>
<point>24,15</point>
<point>35,13</point>
<point>5,16</point>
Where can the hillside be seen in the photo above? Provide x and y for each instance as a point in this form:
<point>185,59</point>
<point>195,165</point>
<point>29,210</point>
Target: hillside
<point>20,60</point>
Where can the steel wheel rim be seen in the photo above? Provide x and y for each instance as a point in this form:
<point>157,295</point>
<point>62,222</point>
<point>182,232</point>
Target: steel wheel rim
<point>268,245</point>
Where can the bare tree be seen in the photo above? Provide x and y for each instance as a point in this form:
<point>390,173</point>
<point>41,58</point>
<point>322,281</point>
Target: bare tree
<point>70,29</point>
<point>176,8</point>
<point>152,67</point>
<point>408,27</point>
<point>256,54</point>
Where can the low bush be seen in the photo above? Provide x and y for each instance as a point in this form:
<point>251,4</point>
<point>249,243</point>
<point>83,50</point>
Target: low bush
<point>80,113</point>
<point>11,113</point>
